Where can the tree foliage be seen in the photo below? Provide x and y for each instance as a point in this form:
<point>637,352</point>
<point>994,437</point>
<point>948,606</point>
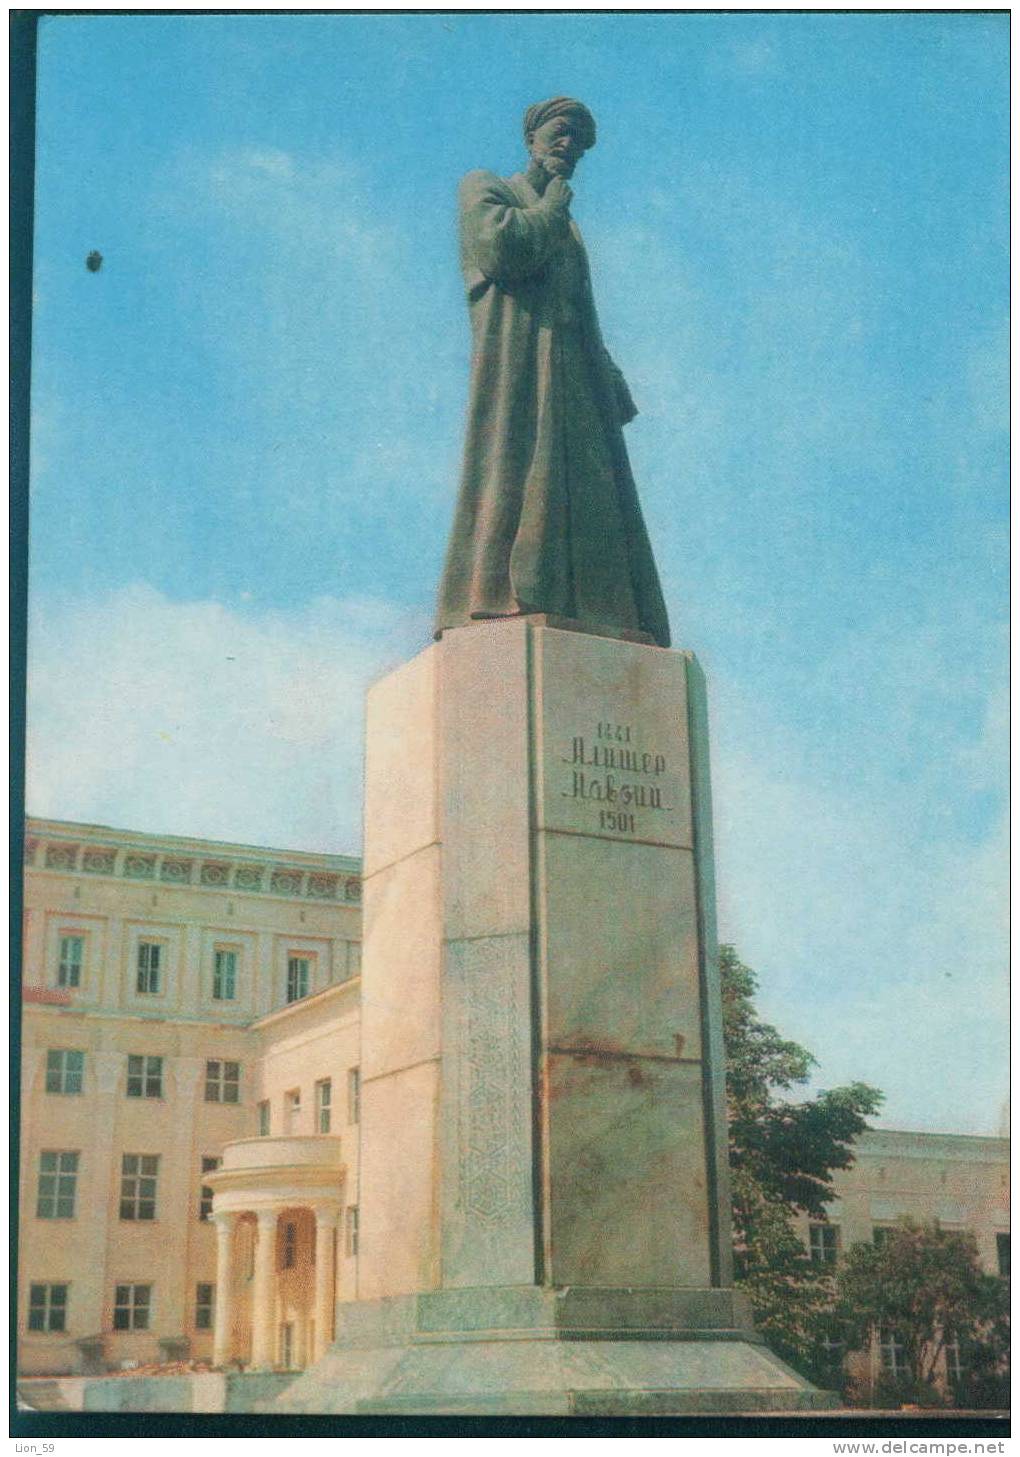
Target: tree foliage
<point>782,1156</point>
<point>927,1285</point>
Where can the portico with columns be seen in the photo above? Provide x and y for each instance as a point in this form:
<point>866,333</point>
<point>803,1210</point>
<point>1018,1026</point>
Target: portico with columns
<point>276,1209</point>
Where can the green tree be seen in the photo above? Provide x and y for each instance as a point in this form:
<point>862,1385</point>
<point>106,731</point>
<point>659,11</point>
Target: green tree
<point>782,1156</point>
<point>925,1285</point>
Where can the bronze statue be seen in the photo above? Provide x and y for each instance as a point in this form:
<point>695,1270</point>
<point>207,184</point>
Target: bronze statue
<point>548,519</point>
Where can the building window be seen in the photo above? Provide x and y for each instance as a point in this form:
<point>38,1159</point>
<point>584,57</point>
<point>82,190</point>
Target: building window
<point>264,1119</point>
<point>72,954</point>
<point>289,1246</point>
<point>323,1105</point>
<point>287,1345</point>
<point>351,1230</point>
<point>353,1094</point>
<point>823,1242</point>
<point>204,1297</point>
<point>148,980</point>
<point>298,977</point>
<point>131,1307</point>
<point>354,959</point>
<point>144,1076</point>
<point>880,1233</point>
<point>892,1354</point>
<point>1002,1254</point>
<point>224,982</point>
<point>138,1174</point>
<point>58,1185</point>
<point>205,1198</point>
<point>954,1365</point>
<point>222,1082</point>
<point>292,1105</point>
<point>65,1070</point>
<point>47,1307</point>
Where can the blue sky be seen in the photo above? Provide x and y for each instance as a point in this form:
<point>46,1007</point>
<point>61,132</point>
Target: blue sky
<point>247,427</point>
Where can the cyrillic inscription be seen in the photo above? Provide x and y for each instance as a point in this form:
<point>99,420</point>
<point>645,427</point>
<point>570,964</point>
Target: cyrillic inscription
<point>614,753</point>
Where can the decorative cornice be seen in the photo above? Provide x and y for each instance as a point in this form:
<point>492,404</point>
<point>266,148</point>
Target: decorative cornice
<point>171,860</point>
<point>896,1143</point>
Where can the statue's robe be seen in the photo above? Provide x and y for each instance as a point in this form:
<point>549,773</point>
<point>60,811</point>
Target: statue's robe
<point>548,518</point>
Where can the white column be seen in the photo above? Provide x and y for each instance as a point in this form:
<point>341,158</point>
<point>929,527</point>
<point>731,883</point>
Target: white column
<point>224,1310</point>
<point>325,1279</point>
<point>263,1334</point>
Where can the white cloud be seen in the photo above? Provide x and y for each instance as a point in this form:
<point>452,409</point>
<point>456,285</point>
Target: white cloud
<point>880,946</point>
<point>205,719</point>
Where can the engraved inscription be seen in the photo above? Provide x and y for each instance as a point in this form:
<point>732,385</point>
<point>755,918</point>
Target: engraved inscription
<point>613,769</point>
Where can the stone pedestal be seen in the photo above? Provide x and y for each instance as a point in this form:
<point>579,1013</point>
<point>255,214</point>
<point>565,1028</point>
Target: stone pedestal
<point>544,1207</point>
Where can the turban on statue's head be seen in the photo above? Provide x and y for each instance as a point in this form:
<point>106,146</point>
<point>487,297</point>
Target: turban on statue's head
<point>544,111</point>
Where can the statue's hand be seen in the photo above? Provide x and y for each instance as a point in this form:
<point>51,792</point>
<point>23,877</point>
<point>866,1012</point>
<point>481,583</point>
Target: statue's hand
<point>558,196</point>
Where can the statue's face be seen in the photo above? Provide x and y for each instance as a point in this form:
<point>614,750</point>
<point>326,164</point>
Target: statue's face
<point>556,145</point>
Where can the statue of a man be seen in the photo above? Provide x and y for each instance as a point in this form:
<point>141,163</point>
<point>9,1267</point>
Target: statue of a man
<point>548,519</point>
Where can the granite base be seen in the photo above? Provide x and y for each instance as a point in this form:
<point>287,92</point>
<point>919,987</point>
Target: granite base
<point>532,1351</point>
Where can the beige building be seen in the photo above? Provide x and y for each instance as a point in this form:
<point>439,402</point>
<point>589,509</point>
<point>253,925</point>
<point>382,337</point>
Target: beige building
<point>955,1180</point>
<point>190,1034</point>
<point>189,1115</point>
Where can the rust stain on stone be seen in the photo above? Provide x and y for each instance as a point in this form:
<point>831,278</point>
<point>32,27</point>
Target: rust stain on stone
<point>605,1052</point>
<point>593,1051</point>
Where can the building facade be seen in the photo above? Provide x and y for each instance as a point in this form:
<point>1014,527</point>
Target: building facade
<point>190,1110</point>
<point>958,1181</point>
<point>189,1036</point>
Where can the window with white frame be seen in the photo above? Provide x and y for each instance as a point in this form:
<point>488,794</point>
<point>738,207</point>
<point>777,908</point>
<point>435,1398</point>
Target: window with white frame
<point>139,1173</point>
<point>323,1105</point>
<point>353,1094</point>
<point>351,1230</point>
<point>823,1243</point>
<point>222,1081</point>
<point>65,1070</point>
<point>954,1363</point>
<point>47,1307</point>
<point>892,1353</point>
<point>144,1076</point>
<point>205,1302</point>
<point>149,979</point>
<point>224,987</point>
<point>264,1119</point>
<point>58,1184</point>
<point>132,1307</point>
<point>205,1198</point>
<point>70,960</point>
<point>299,977</point>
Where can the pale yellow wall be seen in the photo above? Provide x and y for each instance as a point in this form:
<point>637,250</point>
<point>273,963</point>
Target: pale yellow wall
<point>302,1045</point>
<point>107,1019</point>
<point>960,1181</point>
